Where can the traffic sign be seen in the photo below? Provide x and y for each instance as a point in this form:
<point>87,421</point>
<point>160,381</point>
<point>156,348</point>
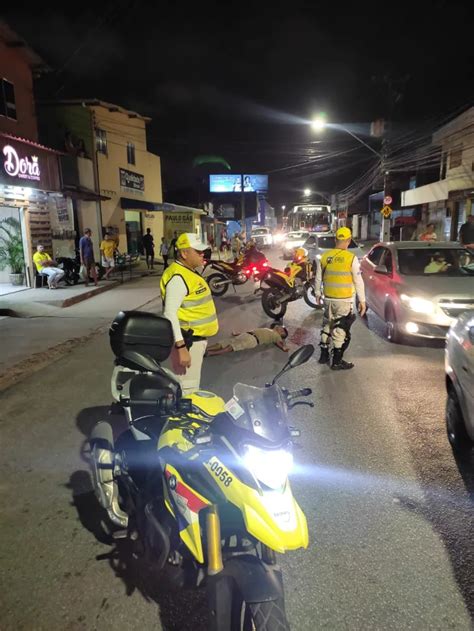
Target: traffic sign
<point>387,200</point>
<point>386,211</point>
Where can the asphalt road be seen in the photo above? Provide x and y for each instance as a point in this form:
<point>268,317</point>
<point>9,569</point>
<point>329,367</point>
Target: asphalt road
<point>389,509</point>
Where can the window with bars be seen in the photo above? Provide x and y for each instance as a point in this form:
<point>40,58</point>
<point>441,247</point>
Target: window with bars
<point>455,157</point>
<point>101,140</point>
<point>7,99</point>
<point>130,153</point>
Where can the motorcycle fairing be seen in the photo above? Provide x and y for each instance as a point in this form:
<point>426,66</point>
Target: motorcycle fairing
<point>208,402</point>
<point>272,517</point>
<point>186,504</point>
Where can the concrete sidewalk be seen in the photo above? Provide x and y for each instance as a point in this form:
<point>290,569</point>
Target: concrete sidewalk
<point>44,331</point>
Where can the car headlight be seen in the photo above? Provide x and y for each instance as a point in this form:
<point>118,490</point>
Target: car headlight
<point>417,304</point>
<point>270,466</point>
<point>318,256</point>
<point>278,238</point>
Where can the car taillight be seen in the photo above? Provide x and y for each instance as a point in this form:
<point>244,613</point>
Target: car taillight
<point>254,269</point>
<point>265,264</point>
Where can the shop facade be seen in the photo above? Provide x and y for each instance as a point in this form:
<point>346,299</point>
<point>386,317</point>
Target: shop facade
<point>30,194</point>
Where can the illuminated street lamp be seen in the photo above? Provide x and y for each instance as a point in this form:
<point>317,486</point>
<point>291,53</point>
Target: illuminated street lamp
<point>307,192</point>
<point>283,207</point>
<point>319,123</point>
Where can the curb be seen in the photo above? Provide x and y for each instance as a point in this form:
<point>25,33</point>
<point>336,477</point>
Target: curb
<point>88,294</point>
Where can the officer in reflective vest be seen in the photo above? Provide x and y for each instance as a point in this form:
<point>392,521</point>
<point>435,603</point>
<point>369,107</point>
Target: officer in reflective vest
<point>340,276</point>
<point>188,304</point>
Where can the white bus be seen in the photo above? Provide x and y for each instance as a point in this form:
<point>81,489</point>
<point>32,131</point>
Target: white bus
<point>312,217</point>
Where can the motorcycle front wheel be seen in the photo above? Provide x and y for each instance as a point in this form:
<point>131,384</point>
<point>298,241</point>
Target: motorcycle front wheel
<point>272,308</point>
<point>266,616</point>
<point>217,284</point>
<point>310,298</point>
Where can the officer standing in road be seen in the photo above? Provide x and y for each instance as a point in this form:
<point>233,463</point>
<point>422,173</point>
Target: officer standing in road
<point>188,304</point>
<point>339,273</point>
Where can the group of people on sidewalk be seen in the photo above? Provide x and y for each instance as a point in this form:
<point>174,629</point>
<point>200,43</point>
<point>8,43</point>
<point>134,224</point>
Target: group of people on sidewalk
<point>189,306</point>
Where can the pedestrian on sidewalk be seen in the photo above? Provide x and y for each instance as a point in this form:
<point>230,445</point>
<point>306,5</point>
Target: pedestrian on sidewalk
<point>339,272</point>
<point>189,306</point>
<point>276,334</point>
<point>46,265</point>
<point>236,245</point>
<point>428,233</point>
<point>107,251</point>
<point>466,233</point>
<point>164,250</point>
<point>149,246</point>
<point>86,254</point>
<point>173,245</point>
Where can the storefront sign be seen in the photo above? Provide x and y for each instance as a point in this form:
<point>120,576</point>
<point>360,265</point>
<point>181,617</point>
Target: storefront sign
<point>26,164</point>
<point>24,168</point>
<point>179,222</point>
<point>131,181</point>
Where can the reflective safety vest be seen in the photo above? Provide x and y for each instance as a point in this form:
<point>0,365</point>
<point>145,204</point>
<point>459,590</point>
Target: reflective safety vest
<point>337,274</point>
<point>198,311</point>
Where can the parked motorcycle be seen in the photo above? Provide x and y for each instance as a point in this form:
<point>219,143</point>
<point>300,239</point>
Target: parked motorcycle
<point>203,486</point>
<point>251,264</point>
<point>297,281</point>
<point>70,268</point>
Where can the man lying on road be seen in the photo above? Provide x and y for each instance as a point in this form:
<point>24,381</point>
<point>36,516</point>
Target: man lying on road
<point>244,341</point>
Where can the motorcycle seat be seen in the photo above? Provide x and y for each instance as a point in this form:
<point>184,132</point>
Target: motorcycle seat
<point>137,361</point>
<point>153,387</point>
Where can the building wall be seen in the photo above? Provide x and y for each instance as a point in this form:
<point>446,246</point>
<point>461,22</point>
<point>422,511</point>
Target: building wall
<point>16,70</point>
<point>120,129</point>
<point>55,121</point>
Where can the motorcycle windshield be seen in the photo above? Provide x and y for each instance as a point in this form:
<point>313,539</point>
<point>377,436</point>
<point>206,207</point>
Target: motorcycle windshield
<point>262,411</point>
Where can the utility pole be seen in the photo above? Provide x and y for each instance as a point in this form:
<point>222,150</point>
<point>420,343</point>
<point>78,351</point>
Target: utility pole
<point>242,204</point>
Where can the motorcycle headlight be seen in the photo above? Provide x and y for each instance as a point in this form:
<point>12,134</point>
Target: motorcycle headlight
<point>417,304</point>
<point>269,466</point>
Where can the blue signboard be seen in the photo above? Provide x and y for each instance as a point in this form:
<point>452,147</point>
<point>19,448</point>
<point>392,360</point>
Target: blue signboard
<point>226,183</point>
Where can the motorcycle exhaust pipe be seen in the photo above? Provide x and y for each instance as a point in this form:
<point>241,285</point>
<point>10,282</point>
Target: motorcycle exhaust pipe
<point>105,485</point>
<point>220,283</point>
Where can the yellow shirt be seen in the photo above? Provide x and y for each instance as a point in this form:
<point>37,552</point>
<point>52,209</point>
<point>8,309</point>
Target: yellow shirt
<point>39,258</point>
<point>108,248</point>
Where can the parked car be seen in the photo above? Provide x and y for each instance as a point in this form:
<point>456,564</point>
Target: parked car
<point>317,244</point>
<point>292,241</point>
<point>418,288</point>
<point>459,364</point>
<point>262,236</point>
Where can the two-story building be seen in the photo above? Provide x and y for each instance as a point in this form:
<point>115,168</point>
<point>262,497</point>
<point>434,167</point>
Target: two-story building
<point>448,201</point>
<point>111,177</point>
<point>30,185</point>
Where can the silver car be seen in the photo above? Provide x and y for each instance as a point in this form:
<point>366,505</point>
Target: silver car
<point>292,241</point>
<point>459,364</point>
<point>317,244</point>
<point>418,288</point>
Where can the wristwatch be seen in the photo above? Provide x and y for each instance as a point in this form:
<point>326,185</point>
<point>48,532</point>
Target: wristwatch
<point>179,345</point>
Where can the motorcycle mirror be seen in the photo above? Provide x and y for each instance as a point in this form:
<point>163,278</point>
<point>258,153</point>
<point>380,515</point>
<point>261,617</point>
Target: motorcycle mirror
<point>299,357</point>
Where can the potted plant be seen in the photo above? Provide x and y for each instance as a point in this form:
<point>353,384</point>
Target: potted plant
<point>11,250</point>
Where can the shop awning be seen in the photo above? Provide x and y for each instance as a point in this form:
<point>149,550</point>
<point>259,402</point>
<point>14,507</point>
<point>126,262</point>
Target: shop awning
<point>138,204</point>
<point>81,192</point>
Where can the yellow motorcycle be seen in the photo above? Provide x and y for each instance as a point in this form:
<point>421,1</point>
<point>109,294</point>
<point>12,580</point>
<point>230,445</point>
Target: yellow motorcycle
<point>297,281</point>
<point>200,484</point>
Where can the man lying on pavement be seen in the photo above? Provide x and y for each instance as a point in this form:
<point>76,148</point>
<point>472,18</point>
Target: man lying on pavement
<point>244,341</point>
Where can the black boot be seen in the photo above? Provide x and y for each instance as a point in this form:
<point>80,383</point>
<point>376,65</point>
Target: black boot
<point>337,362</point>
<point>324,357</point>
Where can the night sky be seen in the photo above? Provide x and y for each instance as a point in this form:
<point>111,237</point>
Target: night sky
<point>238,80</point>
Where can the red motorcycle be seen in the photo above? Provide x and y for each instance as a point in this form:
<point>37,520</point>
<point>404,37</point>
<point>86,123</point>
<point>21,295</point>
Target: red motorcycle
<point>251,264</point>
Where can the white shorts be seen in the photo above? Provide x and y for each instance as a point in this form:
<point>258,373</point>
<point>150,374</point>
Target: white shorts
<point>106,262</point>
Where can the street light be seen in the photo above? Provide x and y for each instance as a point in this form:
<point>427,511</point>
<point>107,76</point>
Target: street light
<point>283,207</point>
<point>307,192</point>
<point>319,123</point>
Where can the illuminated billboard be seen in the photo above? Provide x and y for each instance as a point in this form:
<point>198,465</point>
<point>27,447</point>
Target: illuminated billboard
<point>226,183</point>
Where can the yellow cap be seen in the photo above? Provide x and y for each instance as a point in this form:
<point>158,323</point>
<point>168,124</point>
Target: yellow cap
<point>343,233</point>
<point>190,240</point>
